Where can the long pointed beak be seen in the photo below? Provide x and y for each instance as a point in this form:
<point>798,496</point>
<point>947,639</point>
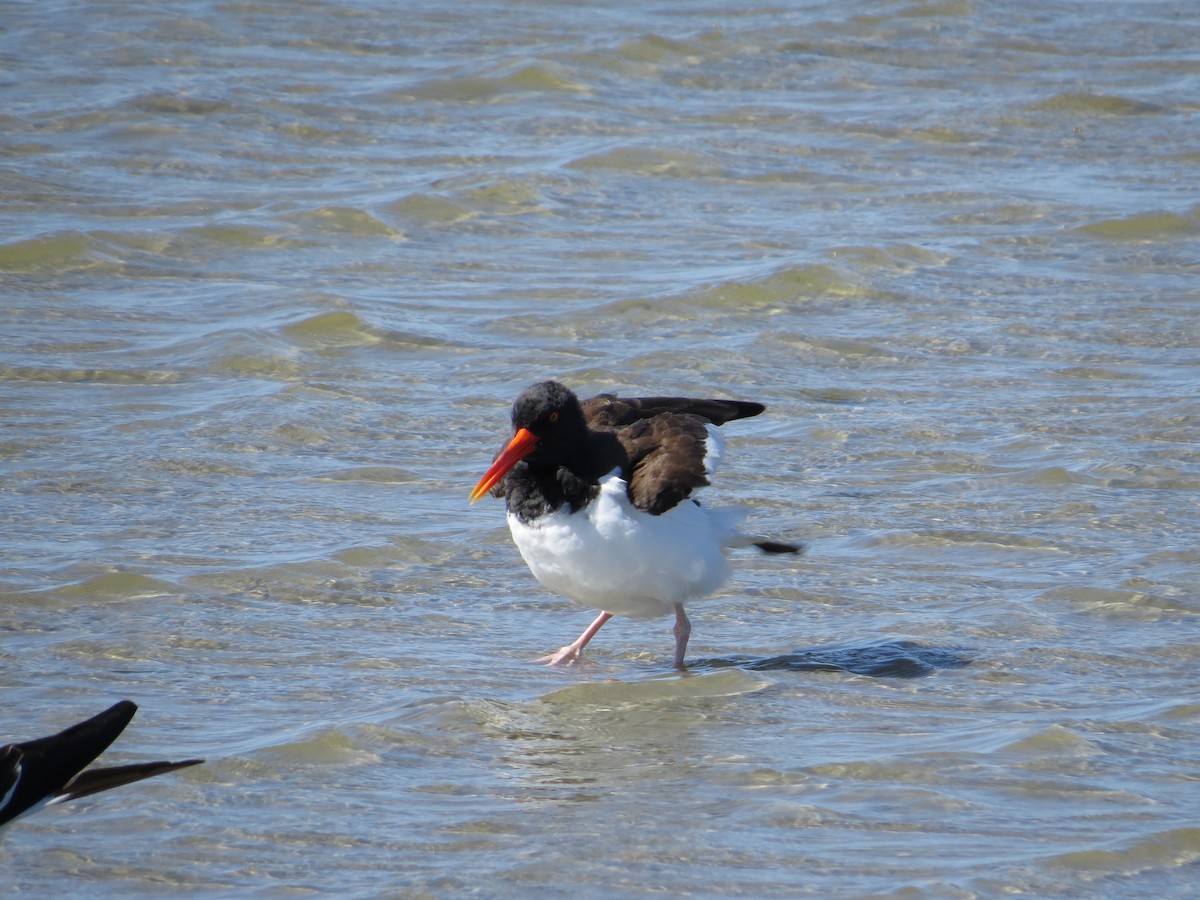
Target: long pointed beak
<point>518,448</point>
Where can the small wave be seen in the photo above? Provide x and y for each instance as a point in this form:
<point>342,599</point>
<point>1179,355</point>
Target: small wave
<point>329,747</point>
<point>482,88</point>
<point>178,104</point>
<point>1166,849</point>
<point>349,221</point>
<point>430,210</point>
<point>373,474</point>
<point>652,48</point>
<point>1085,103</point>
<point>1050,476</point>
<point>1130,476</point>
<point>90,376</point>
<point>508,196</point>
<point>653,161</point>
<point>846,348</point>
<point>1054,742</point>
<point>893,257</point>
<point>1099,373</point>
<point>785,286</point>
<point>341,329</point>
<point>611,694</point>
<point>1130,604</point>
<point>260,363</point>
<point>56,252</point>
<point>250,237</point>
<point>1143,227</point>
<point>116,586</point>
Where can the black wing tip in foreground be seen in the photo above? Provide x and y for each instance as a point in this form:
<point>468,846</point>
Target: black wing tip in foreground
<point>105,726</point>
<point>52,769</point>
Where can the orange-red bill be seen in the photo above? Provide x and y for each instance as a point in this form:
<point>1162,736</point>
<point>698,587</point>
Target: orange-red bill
<point>518,448</point>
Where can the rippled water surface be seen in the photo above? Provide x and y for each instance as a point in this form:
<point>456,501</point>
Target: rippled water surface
<point>272,274</point>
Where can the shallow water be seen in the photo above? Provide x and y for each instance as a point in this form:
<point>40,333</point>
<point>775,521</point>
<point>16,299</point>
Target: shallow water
<point>272,274</point>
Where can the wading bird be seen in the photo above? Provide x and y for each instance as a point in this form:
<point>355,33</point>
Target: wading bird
<point>599,498</point>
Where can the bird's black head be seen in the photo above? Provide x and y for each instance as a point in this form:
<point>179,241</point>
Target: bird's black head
<point>550,412</point>
<point>549,431</point>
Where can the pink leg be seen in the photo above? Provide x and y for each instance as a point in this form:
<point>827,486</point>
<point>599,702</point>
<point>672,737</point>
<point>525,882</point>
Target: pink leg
<point>571,652</point>
<point>683,630</point>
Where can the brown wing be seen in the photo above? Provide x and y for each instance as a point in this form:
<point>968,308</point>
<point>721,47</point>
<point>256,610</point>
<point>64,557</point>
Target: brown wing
<point>666,460</point>
<point>610,411</point>
<point>665,440</point>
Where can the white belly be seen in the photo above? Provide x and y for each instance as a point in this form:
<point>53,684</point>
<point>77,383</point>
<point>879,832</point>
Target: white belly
<point>616,558</point>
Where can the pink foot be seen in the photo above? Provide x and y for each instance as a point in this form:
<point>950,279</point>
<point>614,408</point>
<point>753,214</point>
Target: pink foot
<point>564,657</point>
<point>570,653</point>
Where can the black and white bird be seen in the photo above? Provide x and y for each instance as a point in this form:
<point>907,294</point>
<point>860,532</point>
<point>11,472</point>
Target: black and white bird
<point>50,770</point>
<point>599,498</point>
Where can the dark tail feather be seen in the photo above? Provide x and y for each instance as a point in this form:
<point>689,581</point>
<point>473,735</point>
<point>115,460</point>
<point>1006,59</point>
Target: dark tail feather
<point>778,547</point>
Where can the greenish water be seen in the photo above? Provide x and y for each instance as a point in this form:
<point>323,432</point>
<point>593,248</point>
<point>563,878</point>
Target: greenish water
<point>272,274</point>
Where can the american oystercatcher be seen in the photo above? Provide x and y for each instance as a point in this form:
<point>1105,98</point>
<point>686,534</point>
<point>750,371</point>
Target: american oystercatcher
<point>50,770</point>
<point>599,502</point>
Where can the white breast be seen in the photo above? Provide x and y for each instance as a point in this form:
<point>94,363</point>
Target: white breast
<point>615,557</point>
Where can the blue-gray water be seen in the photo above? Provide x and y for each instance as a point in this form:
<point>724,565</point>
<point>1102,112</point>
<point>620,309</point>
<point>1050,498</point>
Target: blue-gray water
<point>271,274</point>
